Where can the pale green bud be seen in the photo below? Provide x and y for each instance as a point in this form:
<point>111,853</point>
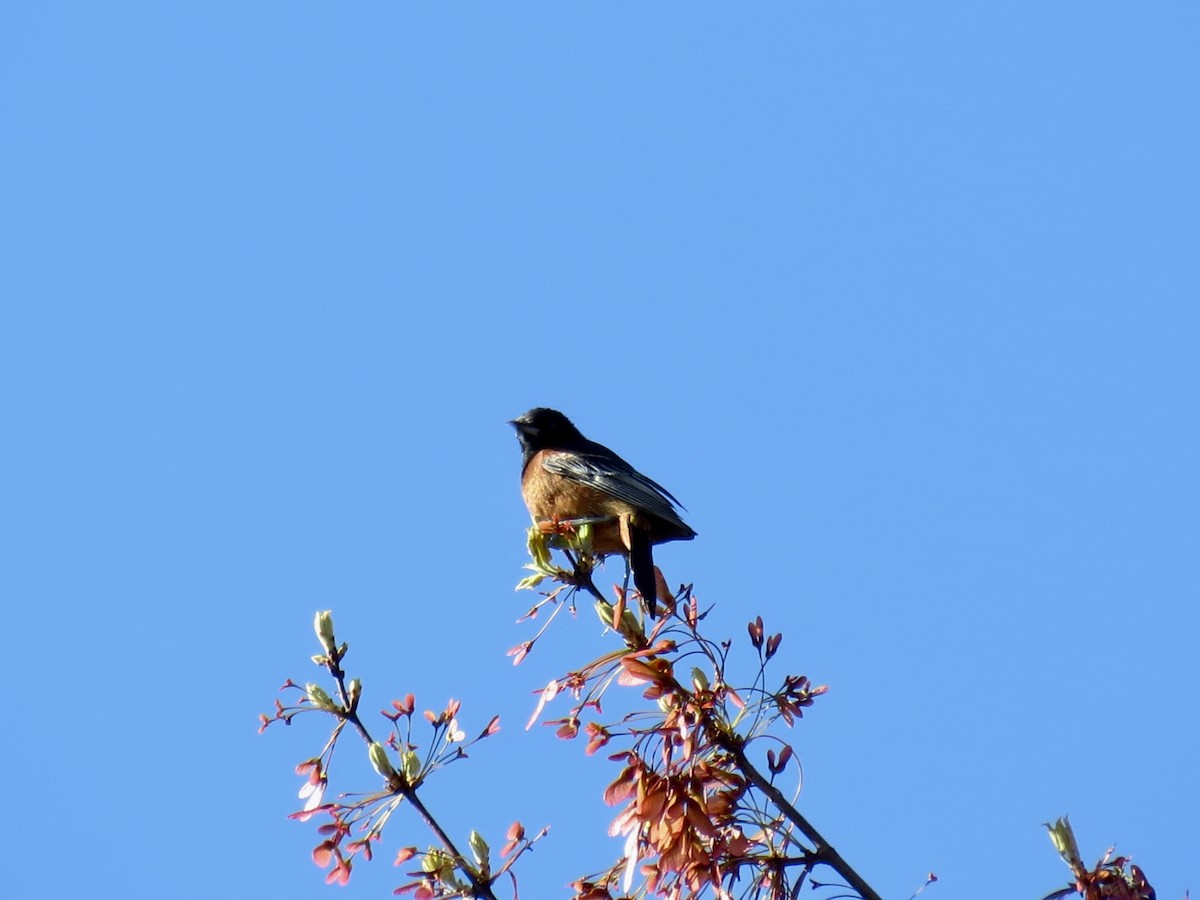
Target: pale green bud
<point>630,626</point>
<point>318,698</point>
<point>538,548</point>
<point>412,764</point>
<point>529,582</point>
<point>1063,838</point>
<point>479,848</point>
<point>323,626</point>
<point>435,860</point>
<point>585,537</point>
<point>380,762</point>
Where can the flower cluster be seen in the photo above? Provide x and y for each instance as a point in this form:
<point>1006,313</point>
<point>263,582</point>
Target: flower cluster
<point>697,793</point>
<point>696,813</point>
<point>403,761</point>
<point>1107,880</point>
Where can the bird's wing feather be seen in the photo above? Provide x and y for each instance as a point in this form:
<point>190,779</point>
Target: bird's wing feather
<point>616,478</point>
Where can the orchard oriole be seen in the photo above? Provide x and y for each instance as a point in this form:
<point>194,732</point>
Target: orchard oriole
<point>564,476</point>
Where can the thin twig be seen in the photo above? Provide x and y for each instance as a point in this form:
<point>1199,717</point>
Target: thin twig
<point>481,889</point>
<point>822,849</point>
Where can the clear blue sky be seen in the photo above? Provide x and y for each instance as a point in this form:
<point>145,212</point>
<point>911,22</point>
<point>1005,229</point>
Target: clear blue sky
<point>901,299</point>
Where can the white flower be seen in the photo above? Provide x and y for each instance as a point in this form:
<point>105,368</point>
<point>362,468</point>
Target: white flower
<point>631,859</point>
<point>314,791</point>
<point>549,692</point>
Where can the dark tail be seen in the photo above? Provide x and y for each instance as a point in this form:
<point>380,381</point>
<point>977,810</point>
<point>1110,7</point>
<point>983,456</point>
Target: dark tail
<point>641,560</point>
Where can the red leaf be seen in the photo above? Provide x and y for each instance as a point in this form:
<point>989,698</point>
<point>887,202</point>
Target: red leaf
<point>323,853</point>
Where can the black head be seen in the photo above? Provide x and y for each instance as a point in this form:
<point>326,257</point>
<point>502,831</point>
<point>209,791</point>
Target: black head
<point>545,429</point>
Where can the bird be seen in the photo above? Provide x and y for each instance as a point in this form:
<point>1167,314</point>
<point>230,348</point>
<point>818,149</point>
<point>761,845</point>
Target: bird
<point>564,476</point>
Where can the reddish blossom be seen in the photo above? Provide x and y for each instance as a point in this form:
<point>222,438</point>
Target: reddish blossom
<point>519,652</point>
<point>404,855</point>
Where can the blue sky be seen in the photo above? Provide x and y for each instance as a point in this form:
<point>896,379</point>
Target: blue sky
<point>899,299</point>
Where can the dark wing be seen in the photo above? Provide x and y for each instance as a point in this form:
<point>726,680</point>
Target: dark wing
<point>610,474</point>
